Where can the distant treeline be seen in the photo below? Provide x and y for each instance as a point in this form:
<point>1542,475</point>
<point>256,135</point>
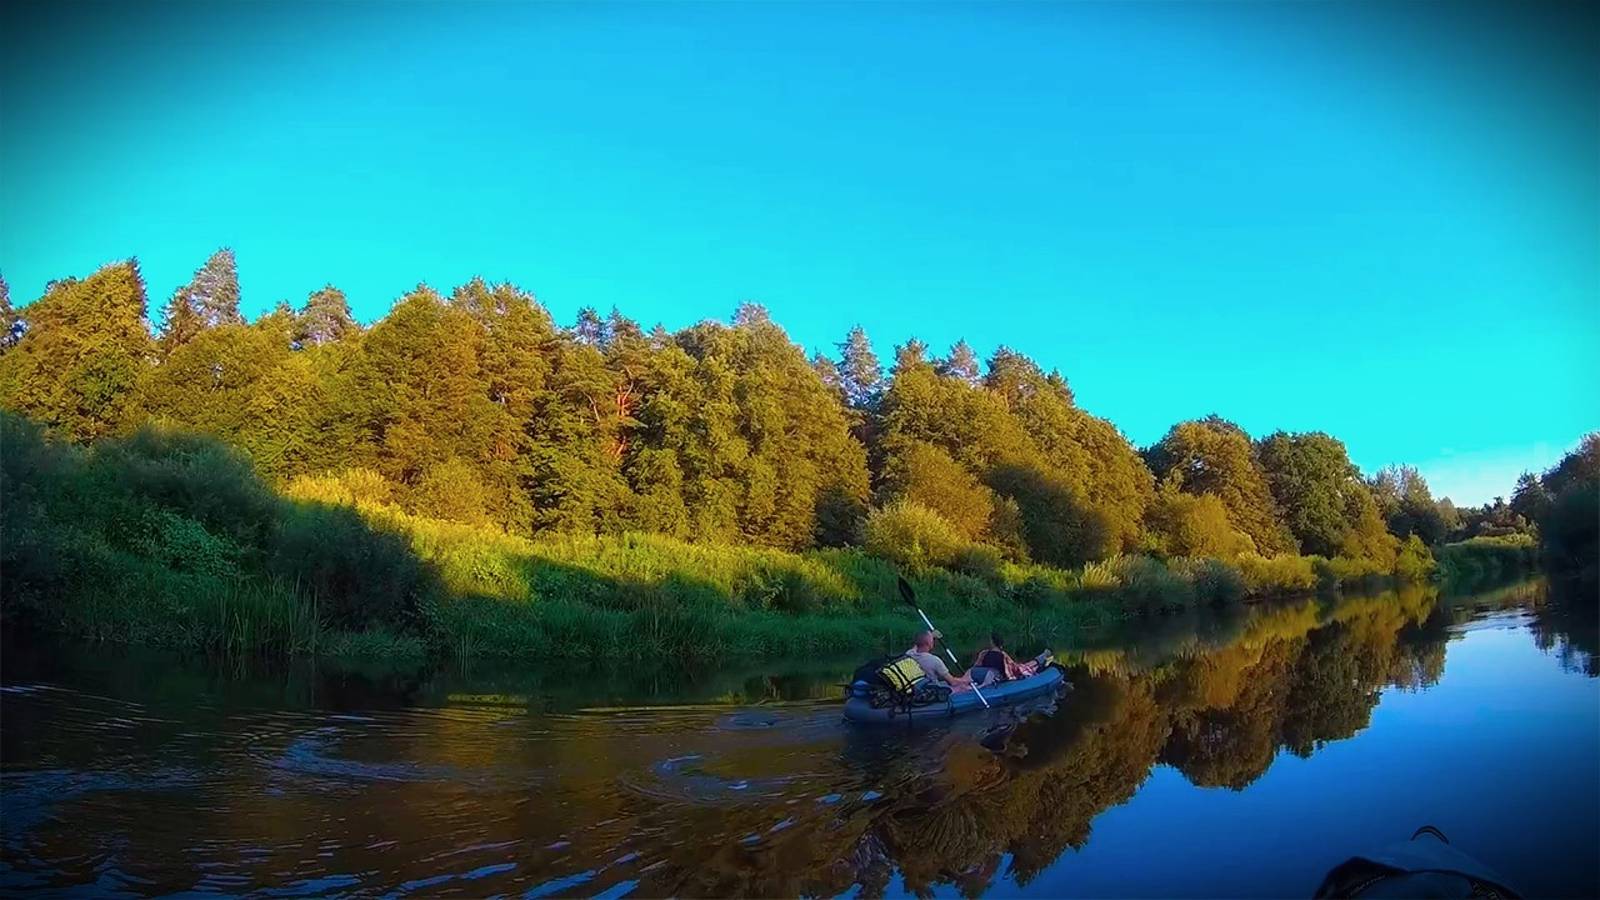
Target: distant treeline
<point>476,407</point>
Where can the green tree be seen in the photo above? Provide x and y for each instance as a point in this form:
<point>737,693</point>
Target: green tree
<point>325,319</point>
<point>924,474</point>
<point>78,364</point>
<point>1061,529</point>
<point>1093,458</point>
<point>1531,499</point>
<point>240,383</point>
<point>859,370</point>
<point>1315,485</point>
<point>961,363</point>
<point>210,299</point>
<point>426,397</point>
<point>1183,524</point>
<point>518,342</point>
<point>1569,532</point>
<point>1407,505</point>
<point>12,324</point>
<point>1214,456</point>
<point>1579,467</point>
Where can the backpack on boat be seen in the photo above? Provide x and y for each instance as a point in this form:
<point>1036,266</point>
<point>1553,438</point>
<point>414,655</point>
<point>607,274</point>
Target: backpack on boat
<point>899,681</point>
<point>902,676</point>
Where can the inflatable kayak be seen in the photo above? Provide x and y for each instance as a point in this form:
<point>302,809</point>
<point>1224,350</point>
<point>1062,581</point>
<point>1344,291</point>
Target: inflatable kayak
<point>858,706</point>
<point>1425,866</point>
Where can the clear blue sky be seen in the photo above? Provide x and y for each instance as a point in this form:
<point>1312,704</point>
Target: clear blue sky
<point>1382,221</point>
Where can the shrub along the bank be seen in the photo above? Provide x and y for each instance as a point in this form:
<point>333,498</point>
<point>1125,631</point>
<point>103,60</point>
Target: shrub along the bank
<point>171,539</point>
<point>168,538</point>
<point>1487,560</point>
<point>642,595</point>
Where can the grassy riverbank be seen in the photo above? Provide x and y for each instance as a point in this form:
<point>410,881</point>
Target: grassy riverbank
<point>170,539</point>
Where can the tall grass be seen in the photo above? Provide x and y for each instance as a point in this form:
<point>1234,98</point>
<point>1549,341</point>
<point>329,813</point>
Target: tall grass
<point>1483,561</point>
<point>170,539</point>
<point>640,596</point>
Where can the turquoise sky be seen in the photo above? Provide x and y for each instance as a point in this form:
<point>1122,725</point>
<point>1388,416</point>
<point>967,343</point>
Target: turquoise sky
<point>1382,221</point>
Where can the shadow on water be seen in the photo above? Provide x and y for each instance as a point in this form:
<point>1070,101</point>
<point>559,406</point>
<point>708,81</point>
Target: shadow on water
<point>126,771</point>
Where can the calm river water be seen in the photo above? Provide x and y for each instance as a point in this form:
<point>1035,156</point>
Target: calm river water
<point>1231,754</point>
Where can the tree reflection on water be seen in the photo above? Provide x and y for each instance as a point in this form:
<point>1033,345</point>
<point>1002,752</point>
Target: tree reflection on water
<point>172,778</point>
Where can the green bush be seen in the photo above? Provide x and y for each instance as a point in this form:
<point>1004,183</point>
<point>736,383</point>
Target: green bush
<point>1284,573</point>
<point>351,487</point>
<point>196,477</point>
<point>980,561</point>
<point>1181,524</point>
<point>359,576</point>
<point>1415,562</point>
<point>169,538</point>
<point>1215,582</point>
<point>1487,560</point>
<point>911,535</point>
<point>181,543</point>
<point>1148,586</point>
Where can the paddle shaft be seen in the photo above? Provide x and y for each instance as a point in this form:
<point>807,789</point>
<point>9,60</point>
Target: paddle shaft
<point>952,656</point>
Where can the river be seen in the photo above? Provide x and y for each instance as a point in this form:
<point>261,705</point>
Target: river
<point>1235,753</point>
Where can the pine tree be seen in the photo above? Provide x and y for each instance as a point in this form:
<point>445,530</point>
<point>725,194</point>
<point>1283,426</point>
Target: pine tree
<point>325,319</point>
<point>912,353</point>
<point>859,371</point>
<point>828,371</point>
<point>12,325</point>
<point>210,299</point>
<point>962,363</point>
<point>590,330</point>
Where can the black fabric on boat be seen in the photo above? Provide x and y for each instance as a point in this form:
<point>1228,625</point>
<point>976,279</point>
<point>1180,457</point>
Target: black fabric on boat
<point>871,671</point>
<point>996,660</point>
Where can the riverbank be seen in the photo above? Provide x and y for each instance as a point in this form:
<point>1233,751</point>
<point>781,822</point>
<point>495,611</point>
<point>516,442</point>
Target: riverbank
<point>642,596</point>
<point>170,539</point>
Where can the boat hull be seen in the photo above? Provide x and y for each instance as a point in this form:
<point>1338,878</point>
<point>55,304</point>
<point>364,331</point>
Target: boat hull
<point>859,709</point>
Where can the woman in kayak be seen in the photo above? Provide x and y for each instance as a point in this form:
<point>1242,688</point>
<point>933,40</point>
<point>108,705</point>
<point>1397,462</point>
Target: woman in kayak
<point>996,664</point>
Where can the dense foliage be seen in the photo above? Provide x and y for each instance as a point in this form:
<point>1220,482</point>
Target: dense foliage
<point>166,537</point>
<point>476,408</point>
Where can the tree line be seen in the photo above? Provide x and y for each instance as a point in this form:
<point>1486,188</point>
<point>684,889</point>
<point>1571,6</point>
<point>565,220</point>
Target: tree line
<point>476,406</point>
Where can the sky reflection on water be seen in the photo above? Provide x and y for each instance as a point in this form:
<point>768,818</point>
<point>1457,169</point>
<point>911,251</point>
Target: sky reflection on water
<point>1241,754</point>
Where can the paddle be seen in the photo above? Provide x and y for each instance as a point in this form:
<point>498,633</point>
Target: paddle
<point>910,596</point>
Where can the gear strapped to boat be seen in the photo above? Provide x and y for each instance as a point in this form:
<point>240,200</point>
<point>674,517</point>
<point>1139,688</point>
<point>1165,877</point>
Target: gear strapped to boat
<point>902,675</point>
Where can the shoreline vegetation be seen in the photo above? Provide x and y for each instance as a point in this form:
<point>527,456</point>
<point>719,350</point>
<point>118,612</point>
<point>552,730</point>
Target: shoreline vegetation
<point>465,478</point>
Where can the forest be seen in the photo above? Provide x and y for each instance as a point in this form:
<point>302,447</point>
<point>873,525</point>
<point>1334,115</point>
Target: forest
<point>465,471</point>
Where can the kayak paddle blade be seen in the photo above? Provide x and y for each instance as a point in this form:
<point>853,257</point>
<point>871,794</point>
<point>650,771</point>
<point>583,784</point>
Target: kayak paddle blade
<point>906,593</point>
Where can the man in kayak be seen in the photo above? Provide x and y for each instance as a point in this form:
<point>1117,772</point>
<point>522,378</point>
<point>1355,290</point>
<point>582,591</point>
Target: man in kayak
<point>933,666</point>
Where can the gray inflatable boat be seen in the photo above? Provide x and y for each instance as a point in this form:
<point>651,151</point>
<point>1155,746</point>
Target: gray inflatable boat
<point>858,704</point>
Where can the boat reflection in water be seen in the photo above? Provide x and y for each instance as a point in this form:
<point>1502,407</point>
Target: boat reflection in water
<point>1230,733</point>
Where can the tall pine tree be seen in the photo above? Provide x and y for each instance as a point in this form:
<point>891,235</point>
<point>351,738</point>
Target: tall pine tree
<point>859,371</point>
<point>11,322</point>
<point>210,299</point>
<point>325,319</point>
